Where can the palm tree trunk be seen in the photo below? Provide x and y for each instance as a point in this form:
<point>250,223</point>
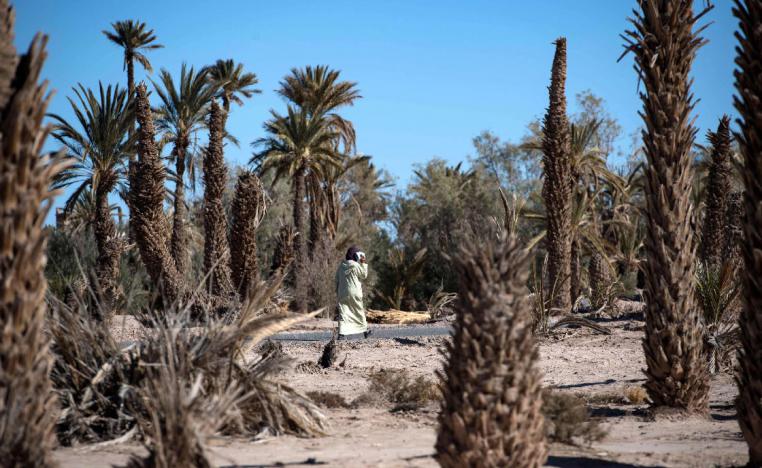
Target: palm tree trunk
<point>300,242</point>
<point>557,184</point>
<point>247,211</point>
<point>109,248</point>
<point>179,243</point>
<point>133,154</point>
<point>28,411</point>
<point>216,254</point>
<point>147,199</point>
<point>665,45</point>
<point>316,226</point>
<point>717,195</point>
<point>491,385</point>
<point>575,285</point>
<point>749,94</point>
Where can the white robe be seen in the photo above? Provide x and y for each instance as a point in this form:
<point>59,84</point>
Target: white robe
<point>349,292</point>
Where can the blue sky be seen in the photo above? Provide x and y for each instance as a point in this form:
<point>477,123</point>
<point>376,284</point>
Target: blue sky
<point>433,74</point>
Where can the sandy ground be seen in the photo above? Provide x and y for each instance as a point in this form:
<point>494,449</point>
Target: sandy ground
<point>579,361</point>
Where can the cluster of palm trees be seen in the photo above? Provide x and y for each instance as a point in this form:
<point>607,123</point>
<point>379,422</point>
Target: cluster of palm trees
<point>310,144</point>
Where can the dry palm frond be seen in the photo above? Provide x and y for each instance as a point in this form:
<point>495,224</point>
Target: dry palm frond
<point>248,210</point>
<point>747,102</point>
<point>216,253</point>
<point>664,44</point>
<point>27,403</point>
<point>557,182</point>
<point>440,304</point>
<point>491,386</point>
<point>580,322</point>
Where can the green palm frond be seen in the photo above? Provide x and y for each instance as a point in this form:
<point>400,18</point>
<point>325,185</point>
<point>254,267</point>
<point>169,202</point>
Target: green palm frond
<point>97,139</point>
<point>232,82</point>
<point>135,38</point>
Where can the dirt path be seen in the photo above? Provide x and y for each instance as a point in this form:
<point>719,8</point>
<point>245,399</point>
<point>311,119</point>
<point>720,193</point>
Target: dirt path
<point>599,368</point>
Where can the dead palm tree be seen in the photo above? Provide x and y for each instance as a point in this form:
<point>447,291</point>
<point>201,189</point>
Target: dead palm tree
<point>232,82</point>
<point>664,44</point>
<point>717,194</point>
<point>99,143</point>
<point>27,403</point>
<point>558,183</point>
<point>749,88</point>
<point>491,385</point>
<point>248,210</point>
<point>297,145</point>
<point>182,113</point>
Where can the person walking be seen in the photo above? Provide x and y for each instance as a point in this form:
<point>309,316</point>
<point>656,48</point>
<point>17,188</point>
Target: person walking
<point>351,310</point>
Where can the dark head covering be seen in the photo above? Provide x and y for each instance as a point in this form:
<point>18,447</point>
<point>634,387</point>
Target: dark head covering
<point>352,253</point>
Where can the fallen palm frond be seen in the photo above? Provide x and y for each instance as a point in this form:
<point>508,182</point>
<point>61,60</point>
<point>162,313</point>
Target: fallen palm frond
<point>580,322</point>
<point>440,304</point>
<point>105,390</point>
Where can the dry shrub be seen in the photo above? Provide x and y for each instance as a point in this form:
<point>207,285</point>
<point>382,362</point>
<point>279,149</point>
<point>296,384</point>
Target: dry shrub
<point>567,419</point>
<point>328,399</point>
<point>636,395</point>
<point>396,386</point>
<point>632,395</point>
<point>323,262</point>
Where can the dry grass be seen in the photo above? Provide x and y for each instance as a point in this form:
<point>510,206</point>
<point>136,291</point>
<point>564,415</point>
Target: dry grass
<point>328,399</point>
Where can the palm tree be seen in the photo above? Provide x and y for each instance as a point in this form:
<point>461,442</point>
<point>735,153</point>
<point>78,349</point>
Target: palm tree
<point>319,92</point>
<point>749,93</point>
<point>100,143</point>
<point>135,38</point>
<point>664,44</point>
<point>298,146</point>
<point>232,82</point>
<point>28,410</point>
<point>182,113</point>
<point>558,183</point>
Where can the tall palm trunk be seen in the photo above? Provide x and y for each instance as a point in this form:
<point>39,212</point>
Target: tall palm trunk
<point>491,385</point>
<point>133,155</point>
<point>665,45</point>
<point>575,283</point>
<point>147,199</point>
<point>247,212</point>
<point>27,403</point>
<point>216,253</point>
<point>179,236</point>
<point>717,195</point>
<point>558,183</point>
<point>110,248</point>
<point>747,102</point>
<point>300,241</point>
<point>316,223</point>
